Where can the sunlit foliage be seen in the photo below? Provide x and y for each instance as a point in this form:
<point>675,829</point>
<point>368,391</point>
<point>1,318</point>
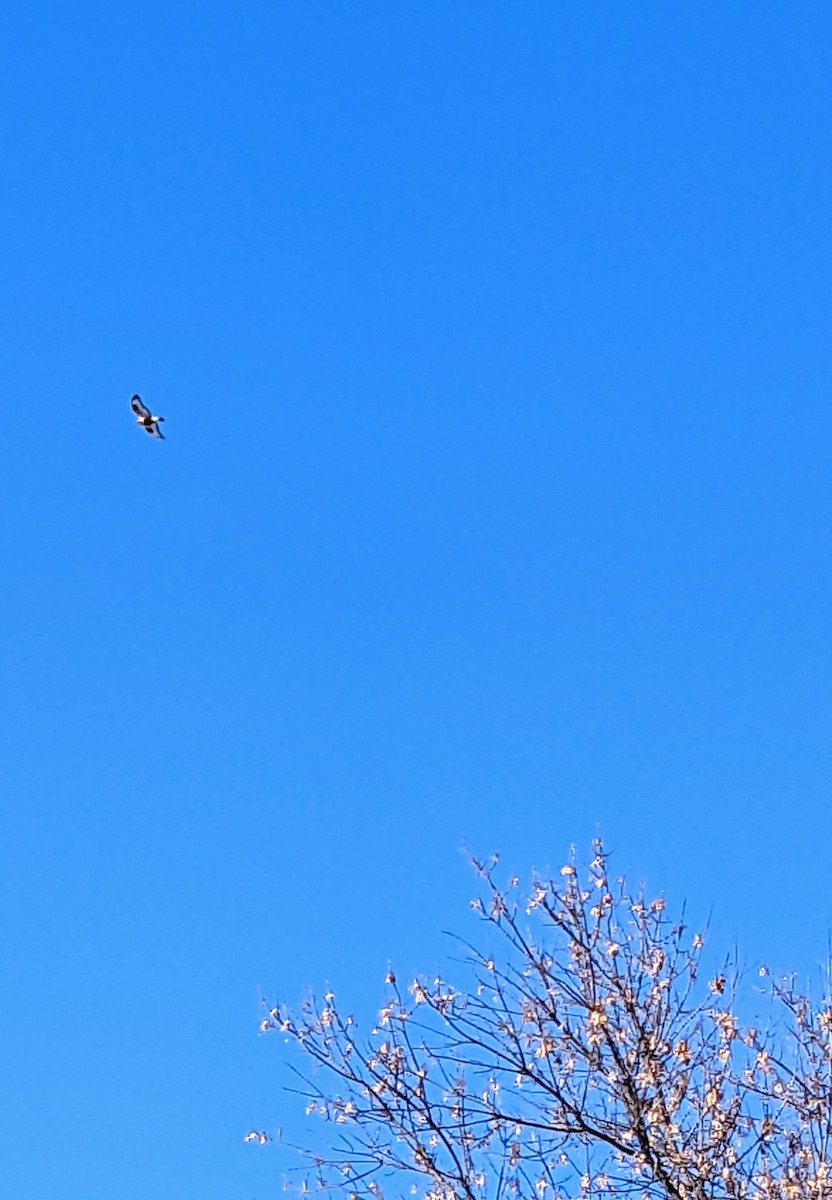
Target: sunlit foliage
<point>592,1057</point>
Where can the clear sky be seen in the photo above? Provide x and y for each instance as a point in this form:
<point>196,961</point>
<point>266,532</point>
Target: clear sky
<point>494,345</point>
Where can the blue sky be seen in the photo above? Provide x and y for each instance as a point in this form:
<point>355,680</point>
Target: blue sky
<point>493,342</point>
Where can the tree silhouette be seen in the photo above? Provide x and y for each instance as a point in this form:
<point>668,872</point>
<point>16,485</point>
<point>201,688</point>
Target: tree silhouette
<point>591,1058</point>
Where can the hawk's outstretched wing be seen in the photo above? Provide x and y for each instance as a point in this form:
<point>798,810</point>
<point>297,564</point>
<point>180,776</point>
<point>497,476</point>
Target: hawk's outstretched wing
<point>139,409</point>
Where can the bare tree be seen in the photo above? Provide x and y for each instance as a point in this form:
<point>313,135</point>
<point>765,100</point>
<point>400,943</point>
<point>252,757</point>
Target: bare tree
<point>589,1059</point>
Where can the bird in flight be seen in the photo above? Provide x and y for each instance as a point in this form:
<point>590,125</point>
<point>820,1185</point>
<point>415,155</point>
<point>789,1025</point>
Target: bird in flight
<point>146,418</point>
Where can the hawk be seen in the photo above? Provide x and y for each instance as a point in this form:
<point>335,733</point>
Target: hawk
<point>146,418</point>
